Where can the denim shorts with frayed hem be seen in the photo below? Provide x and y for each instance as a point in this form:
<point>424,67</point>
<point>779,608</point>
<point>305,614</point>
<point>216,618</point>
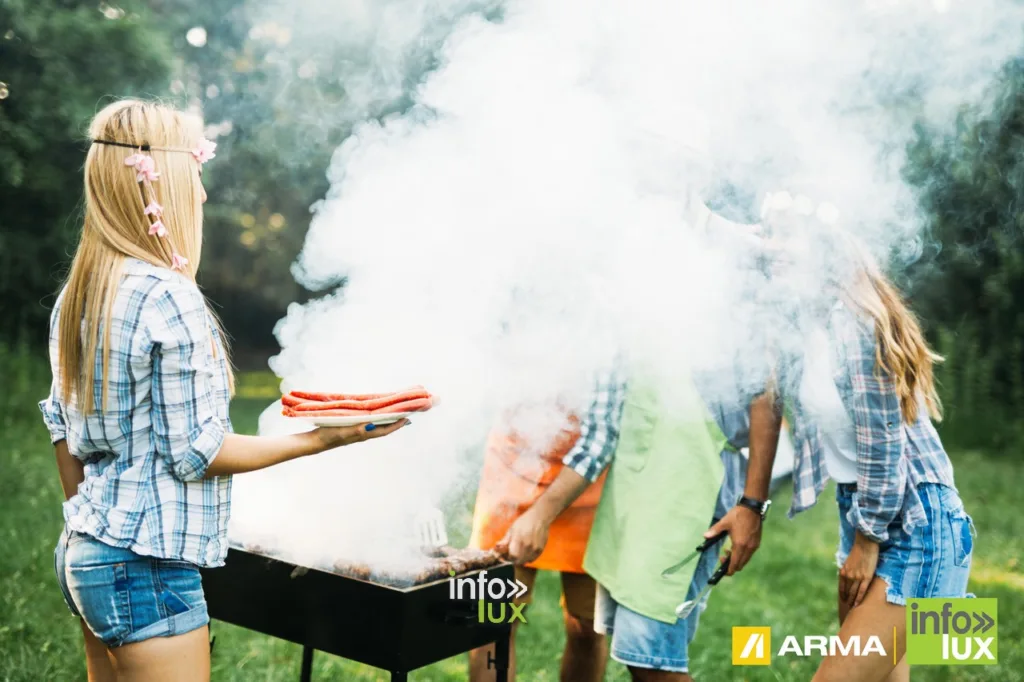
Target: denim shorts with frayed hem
<point>934,560</point>
<point>124,597</point>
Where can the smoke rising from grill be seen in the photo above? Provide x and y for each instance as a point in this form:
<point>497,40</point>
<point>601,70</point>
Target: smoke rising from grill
<point>528,211</point>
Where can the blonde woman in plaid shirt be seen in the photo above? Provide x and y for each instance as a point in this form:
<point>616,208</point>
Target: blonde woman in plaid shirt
<point>138,411</point>
<point>864,398</point>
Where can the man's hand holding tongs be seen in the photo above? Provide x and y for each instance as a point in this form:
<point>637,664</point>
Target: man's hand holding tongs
<point>743,525</point>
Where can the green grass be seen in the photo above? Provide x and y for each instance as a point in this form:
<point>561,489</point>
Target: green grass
<point>790,585</point>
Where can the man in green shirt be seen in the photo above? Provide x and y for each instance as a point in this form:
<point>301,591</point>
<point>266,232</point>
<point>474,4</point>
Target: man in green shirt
<point>674,470</point>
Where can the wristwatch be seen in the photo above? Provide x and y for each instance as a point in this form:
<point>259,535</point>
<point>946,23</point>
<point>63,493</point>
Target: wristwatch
<point>756,505</point>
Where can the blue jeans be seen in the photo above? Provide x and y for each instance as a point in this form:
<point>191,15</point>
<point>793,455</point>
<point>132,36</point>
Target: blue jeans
<point>124,597</point>
<point>642,642</point>
<point>934,560</point>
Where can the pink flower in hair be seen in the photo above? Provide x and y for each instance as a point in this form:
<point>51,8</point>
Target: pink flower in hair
<point>158,229</point>
<point>154,209</point>
<point>205,151</point>
<point>178,262</point>
<point>146,168</point>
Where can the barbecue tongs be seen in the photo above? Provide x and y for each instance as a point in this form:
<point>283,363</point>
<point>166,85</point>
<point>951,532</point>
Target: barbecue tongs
<point>701,548</point>
<point>687,607</point>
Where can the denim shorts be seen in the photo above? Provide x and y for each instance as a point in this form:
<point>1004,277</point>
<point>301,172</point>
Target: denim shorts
<point>124,597</point>
<point>641,642</point>
<point>934,560</point>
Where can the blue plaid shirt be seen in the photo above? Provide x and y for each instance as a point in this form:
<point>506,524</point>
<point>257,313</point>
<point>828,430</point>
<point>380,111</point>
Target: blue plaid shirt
<point>893,457</point>
<point>599,428</point>
<point>166,417</point>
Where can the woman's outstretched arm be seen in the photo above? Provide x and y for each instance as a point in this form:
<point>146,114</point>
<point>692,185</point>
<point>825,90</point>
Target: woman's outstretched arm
<point>240,454</point>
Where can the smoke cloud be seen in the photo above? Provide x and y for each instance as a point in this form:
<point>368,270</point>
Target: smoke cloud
<point>527,208</point>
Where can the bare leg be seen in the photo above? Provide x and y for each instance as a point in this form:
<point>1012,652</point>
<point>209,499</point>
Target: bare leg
<point>874,616</point>
<point>97,658</point>
<point>585,651</point>
<point>648,675</point>
<point>182,658</point>
<point>902,671</point>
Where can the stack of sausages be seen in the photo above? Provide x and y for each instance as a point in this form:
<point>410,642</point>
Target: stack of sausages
<point>310,404</point>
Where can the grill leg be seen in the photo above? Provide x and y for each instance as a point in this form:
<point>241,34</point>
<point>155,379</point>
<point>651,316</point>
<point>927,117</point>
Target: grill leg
<point>399,677</point>
<point>501,647</point>
<point>307,664</point>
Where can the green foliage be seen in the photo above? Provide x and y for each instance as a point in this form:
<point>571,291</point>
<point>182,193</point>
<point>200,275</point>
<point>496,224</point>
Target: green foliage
<point>971,185</point>
<point>62,61</point>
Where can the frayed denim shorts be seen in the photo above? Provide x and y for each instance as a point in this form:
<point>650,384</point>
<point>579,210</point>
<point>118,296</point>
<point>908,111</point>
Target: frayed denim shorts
<point>124,597</point>
<point>934,560</point>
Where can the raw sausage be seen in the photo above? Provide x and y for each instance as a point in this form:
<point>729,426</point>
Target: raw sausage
<point>416,405</point>
<point>335,397</point>
<point>291,412</point>
<point>374,404</point>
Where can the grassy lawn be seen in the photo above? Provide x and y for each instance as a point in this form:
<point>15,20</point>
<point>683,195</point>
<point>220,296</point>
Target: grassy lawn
<point>789,585</point>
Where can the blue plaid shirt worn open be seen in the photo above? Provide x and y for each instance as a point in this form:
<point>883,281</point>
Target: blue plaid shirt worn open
<point>893,457</point>
<point>146,453</point>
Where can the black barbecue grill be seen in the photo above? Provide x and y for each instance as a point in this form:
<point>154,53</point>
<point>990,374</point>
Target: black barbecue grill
<point>398,629</point>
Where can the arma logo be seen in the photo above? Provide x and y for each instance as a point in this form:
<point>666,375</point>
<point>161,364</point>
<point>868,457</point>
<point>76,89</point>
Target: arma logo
<point>952,632</point>
<point>481,588</point>
<point>753,646</point>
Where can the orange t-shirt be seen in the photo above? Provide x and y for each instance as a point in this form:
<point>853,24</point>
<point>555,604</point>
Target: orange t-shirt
<point>513,479</point>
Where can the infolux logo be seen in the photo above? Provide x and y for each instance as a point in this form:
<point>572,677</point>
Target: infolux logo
<point>481,588</point>
<point>952,632</point>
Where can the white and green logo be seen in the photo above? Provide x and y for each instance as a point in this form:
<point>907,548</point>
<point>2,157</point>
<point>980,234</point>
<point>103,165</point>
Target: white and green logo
<point>481,588</point>
<point>952,632</point>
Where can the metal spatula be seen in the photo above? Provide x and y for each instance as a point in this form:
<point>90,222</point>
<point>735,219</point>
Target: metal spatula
<point>430,528</point>
<point>687,607</point>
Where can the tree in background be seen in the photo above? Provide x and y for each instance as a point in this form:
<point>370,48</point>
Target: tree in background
<point>59,61</point>
<point>971,290</point>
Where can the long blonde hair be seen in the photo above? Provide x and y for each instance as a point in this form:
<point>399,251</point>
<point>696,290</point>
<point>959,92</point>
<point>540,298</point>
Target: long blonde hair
<point>901,349</point>
<point>116,228</point>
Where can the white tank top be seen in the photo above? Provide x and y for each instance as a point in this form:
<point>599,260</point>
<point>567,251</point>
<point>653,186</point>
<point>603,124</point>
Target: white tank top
<point>820,398</point>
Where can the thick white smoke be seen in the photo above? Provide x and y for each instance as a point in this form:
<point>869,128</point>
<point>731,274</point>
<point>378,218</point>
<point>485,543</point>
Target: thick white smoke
<point>532,211</point>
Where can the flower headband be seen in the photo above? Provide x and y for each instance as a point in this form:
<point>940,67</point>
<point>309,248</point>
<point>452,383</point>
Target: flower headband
<point>147,174</point>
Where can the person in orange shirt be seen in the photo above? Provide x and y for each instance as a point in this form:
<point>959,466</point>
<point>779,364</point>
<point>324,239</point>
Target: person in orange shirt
<point>515,475</point>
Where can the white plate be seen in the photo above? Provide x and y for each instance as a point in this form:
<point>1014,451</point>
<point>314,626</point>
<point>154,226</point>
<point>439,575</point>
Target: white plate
<point>378,419</point>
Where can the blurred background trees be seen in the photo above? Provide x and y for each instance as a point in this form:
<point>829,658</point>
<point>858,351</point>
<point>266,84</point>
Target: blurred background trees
<point>60,60</point>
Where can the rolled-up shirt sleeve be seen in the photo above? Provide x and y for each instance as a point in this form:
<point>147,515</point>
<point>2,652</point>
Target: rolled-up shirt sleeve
<point>874,405</point>
<point>599,428</point>
<point>53,415</point>
<point>188,434</point>
<point>51,407</point>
